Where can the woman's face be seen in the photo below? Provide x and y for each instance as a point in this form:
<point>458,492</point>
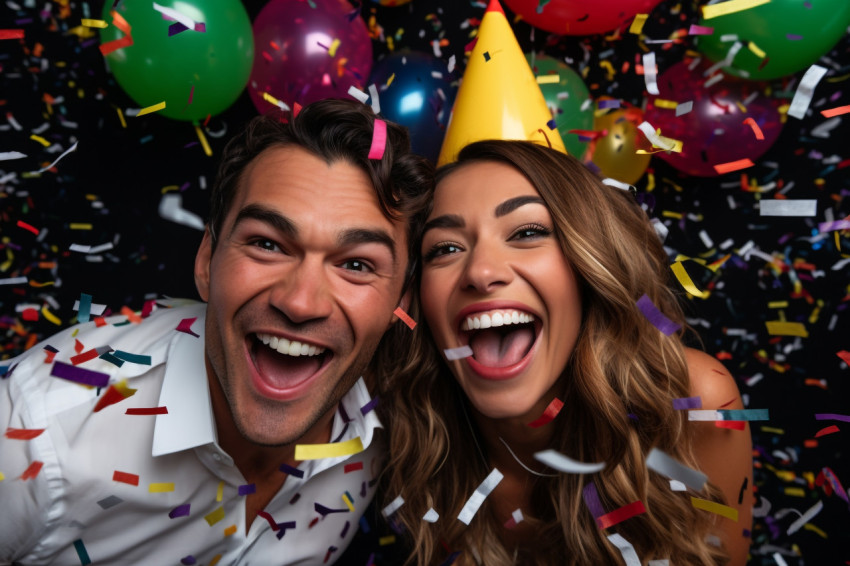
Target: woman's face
<point>495,279</point>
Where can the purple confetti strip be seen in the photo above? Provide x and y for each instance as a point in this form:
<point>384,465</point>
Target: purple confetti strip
<point>793,37</point>
<point>591,499</point>
<point>656,317</point>
<point>79,375</point>
<point>683,403</point>
<point>551,124</point>
<point>609,104</point>
<point>832,226</point>
<point>177,27</point>
<point>247,489</point>
<point>369,406</point>
<point>179,511</point>
<point>282,527</point>
<point>345,529</point>
<point>287,469</point>
<point>832,417</point>
<point>323,511</point>
<point>188,560</point>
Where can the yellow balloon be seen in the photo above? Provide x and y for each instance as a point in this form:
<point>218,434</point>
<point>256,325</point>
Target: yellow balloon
<point>499,98</point>
<point>614,152</point>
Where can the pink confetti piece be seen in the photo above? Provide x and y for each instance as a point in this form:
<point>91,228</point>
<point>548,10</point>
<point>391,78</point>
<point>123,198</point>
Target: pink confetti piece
<point>379,140</point>
<point>186,326</point>
<point>700,30</point>
<point>399,312</point>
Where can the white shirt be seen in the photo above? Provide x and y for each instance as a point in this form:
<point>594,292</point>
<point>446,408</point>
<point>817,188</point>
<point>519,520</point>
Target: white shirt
<point>75,496</point>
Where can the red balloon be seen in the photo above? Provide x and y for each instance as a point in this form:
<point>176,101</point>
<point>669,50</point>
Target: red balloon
<point>303,53</point>
<point>720,127</point>
<point>580,17</point>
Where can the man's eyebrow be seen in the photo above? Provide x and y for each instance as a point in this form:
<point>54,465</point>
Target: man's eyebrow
<point>355,236</point>
<point>444,221</point>
<point>267,216</point>
<point>512,204</point>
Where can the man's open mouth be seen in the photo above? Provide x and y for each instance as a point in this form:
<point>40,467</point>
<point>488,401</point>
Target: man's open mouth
<point>499,337</point>
<point>284,363</point>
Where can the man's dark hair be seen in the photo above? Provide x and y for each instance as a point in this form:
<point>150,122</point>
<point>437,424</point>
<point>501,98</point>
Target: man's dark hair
<point>333,130</point>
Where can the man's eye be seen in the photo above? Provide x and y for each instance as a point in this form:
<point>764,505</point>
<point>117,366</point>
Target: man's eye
<point>357,265</point>
<point>267,245</point>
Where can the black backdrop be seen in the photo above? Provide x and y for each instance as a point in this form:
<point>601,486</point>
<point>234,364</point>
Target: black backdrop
<point>114,182</point>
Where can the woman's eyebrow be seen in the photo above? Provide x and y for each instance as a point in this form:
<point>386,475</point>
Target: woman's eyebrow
<point>512,204</point>
<point>444,221</point>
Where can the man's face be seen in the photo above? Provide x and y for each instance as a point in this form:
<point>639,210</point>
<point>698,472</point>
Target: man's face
<point>301,287</point>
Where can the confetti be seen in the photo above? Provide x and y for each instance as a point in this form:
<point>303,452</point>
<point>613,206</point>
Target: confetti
<point>11,34</point>
<point>783,328</point>
<point>82,554</point>
<point>832,417</point>
<point>79,375</point>
<point>638,23</point>
<point>176,15</point>
<point>683,403</point>
<point>124,477</point>
<point>215,516</point>
<point>23,433</point>
<point>805,91</point>
<point>716,508</point>
<point>558,461</point>
<point>700,30</point>
<point>788,207</point>
<point>161,487</point>
<point>185,325</point>
<point>458,353</point>
<point>650,73</point>
<point>93,23</point>
<point>393,506</point>
<point>405,318</point>
<point>470,508</point>
<point>831,112</point>
<point>430,516</point>
<point>57,160</point>
<point>32,470</point>
<point>152,108</point>
<point>619,515</point>
<point>656,317</point>
<point>180,511</point>
<point>722,168</point>
<point>626,549</point>
<point>552,409</point>
<point>660,462</point>
<point>755,127</point>
<point>334,450</point>
<point>147,411</point>
<point>379,140</point>
<point>729,7</point>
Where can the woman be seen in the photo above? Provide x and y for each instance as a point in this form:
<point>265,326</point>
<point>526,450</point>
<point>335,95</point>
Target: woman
<point>534,267</point>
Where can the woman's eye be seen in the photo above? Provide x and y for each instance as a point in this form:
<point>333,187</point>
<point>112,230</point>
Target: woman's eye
<point>357,265</point>
<point>531,232</point>
<point>441,250</point>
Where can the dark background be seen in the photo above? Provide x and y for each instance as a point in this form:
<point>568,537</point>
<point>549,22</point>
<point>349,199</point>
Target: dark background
<point>115,180</point>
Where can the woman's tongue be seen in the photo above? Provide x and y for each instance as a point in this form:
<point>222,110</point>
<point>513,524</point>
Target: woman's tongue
<point>498,348</point>
<point>282,371</point>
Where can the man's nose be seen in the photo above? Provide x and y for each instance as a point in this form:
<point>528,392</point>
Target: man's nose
<point>303,294</point>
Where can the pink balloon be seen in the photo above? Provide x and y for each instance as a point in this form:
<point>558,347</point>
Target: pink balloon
<point>303,54</point>
<point>580,17</point>
<point>718,129</point>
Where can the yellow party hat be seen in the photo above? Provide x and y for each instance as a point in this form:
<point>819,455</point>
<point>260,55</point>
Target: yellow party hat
<point>499,97</point>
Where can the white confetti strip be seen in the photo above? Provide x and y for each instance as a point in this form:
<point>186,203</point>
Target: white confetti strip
<point>558,461</point>
<point>684,107</point>
<point>470,508</point>
<point>650,73</point>
<point>788,207</point>
<point>58,159</point>
<point>805,518</point>
<point>7,155</point>
<point>704,414</point>
<point>13,280</point>
<point>662,463</point>
<point>175,15</point>
<point>394,506</point>
<point>376,102</point>
<point>171,208</point>
<point>806,90</point>
<point>430,516</point>
<point>355,92</point>
<point>676,485</point>
<point>663,562</point>
<point>615,183</point>
<point>656,140</point>
<point>458,353</point>
<point>626,549</point>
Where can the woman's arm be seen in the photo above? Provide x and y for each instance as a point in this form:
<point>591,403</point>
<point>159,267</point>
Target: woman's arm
<point>725,455</point>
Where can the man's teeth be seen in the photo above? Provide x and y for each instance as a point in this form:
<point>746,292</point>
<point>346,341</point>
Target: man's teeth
<point>496,318</point>
<point>290,347</point>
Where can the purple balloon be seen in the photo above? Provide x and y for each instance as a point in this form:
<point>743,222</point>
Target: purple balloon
<point>716,130</point>
<point>303,54</point>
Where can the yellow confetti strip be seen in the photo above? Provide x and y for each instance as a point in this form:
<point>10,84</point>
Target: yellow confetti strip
<point>271,99</point>
<point>637,24</point>
<point>334,46</point>
<point>121,117</point>
<point>662,103</point>
<point>161,487</point>
<point>203,139</point>
<point>777,304</point>
<point>392,78</point>
<point>814,529</point>
<point>384,541</point>
<point>40,140</point>
<point>215,560</point>
<point>686,281</point>
<point>772,429</point>
<point>219,492</point>
<point>2,476</point>
<point>334,450</point>
<point>671,214</point>
<point>230,530</point>
<point>348,502</point>
<point>795,491</point>
<point>756,49</point>
<point>79,226</point>
<point>93,23</point>
<point>730,7</point>
<point>169,188</point>
<point>548,79</point>
<point>215,516</point>
<point>153,108</point>
<point>782,328</point>
<point>716,508</point>
<point>50,316</point>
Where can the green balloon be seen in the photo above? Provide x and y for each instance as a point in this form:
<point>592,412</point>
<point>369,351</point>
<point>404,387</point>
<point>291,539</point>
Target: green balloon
<point>211,67</point>
<point>793,34</point>
<point>565,99</point>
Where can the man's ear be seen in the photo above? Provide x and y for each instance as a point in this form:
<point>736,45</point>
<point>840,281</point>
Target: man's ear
<point>202,265</point>
<point>403,304</point>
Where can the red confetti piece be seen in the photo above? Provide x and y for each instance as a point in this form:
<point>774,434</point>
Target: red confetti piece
<point>23,433</point>
<point>186,326</point>
<point>84,357</point>
<point>114,45</point>
<point>131,315</point>
<point>619,515</point>
<point>267,516</point>
<point>48,359</point>
<point>32,470</point>
<point>550,413</point>
<point>822,432</point>
<point>30,315</point>
<point>399,312</point>
<point>756,130</point>
<point>78,346</point>
<point>830,112</point>
<point>296,109</point>
<point>379,140</point>
<point>735,425</point>
<point>11,34</point>
<point>29,227</point>
<point>353,467</point>
<point>124,477</point>
<point>844,355</point>
<point>722,168</point>
<point>147,411</point>
<point>110,397</point>
<point>100,321</point>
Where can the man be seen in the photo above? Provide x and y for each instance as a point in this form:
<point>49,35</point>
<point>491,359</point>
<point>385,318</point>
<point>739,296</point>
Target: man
<point>240,431</point>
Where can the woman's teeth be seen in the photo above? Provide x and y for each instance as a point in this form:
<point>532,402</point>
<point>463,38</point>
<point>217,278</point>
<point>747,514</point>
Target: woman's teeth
<point>495,318</point>
<point>289,347</point>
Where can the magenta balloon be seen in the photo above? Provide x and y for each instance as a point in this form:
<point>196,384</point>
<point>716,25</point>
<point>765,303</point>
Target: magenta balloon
<point>716,130</point>
<point>304,54</point>
<point>580,17</point>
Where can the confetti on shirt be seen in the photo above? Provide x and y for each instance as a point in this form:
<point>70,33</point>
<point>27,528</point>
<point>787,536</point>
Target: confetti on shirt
<point>79,375</point>
<point>333,450</point>
<point>23,433</point>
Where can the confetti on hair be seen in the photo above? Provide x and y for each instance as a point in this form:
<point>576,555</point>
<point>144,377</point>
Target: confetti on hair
<point>458,353</point>
<point>552,409</point>
<point>626,549</point>
<point>79,375</point>
<point>405,318</point>
<point>23,433</point>
<point>805,91</point>
<point>333,450</point>
<point>516,518</point>
<point>683,403</point>
<point>470,508</point>
<point>393,506</point>
<point>716,508</point>
<point>662,463</point>
<point>379,140</point>
<point>355,92</point>
<point>619,515</point>
<point>656,317</point>
<point>558,461</point>
<point>591,499</point>
<point>730,7</point>
<point>431,516</point>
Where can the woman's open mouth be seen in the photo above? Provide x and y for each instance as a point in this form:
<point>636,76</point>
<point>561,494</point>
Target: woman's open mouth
<point>501,341</point>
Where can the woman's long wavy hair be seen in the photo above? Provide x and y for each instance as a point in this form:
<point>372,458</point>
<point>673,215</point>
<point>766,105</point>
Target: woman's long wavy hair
<point>618,387</point>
